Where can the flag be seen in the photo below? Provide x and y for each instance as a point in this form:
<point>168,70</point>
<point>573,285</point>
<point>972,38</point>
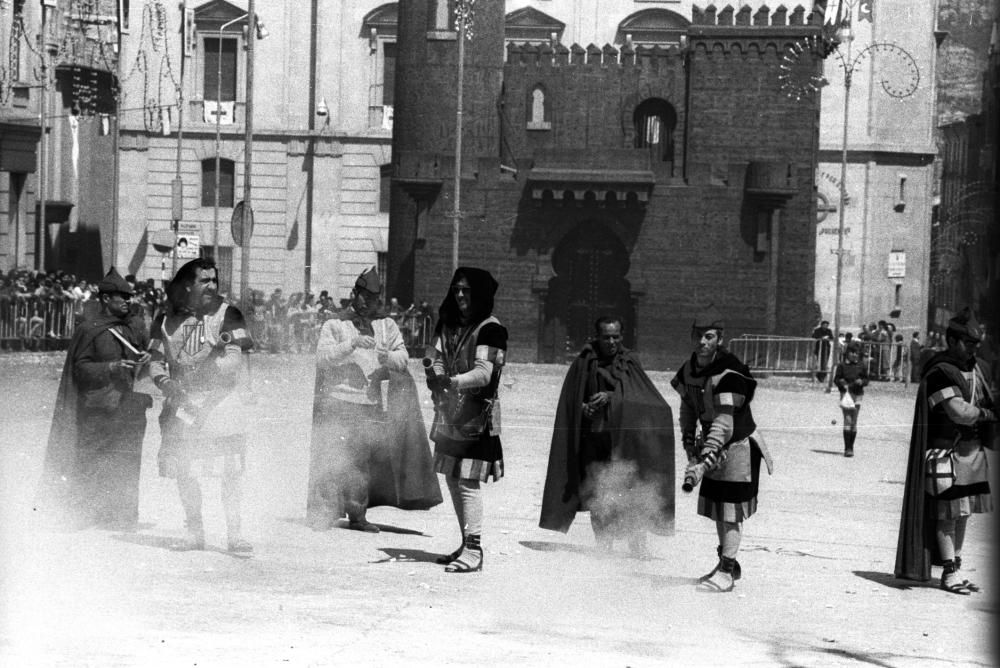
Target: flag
<point>865,10</point>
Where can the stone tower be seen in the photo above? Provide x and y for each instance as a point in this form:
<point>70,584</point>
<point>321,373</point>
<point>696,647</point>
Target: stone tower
<point>425,122</point>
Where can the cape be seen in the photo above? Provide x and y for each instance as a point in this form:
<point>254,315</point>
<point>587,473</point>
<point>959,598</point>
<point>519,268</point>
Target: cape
<point>55,489</point>
<point>642,430</point>
<point>402,470</point>
<point>916,546</point>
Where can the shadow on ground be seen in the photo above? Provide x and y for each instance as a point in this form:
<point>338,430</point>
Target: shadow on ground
<point>396,555</point>
<point>170,543</point>
<point>891,581</point>
<point>342,524</point>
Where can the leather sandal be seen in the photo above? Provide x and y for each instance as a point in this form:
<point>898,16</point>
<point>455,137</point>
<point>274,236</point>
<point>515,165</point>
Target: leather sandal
<point>971,586</point>
<point>720,583</point>
<point>459,564</point>
<point>448,558</point>
<point>952,583</point>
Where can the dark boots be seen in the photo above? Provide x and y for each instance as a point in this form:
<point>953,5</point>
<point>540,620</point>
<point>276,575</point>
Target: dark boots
<point>849,437</point>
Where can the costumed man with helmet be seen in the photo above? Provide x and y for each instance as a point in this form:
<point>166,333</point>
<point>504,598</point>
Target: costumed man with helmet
<point>947,477</point>
<point>721,440</point>
<point>92,462</point>
<point>369,442</point>
<point>198,348</point>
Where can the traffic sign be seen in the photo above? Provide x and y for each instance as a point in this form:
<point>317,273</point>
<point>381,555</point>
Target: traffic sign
<point>236,224</point>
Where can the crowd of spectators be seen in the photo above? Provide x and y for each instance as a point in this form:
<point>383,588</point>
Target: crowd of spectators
<point>38,309</point>
<point>291,324</point>
<point>886,352</point>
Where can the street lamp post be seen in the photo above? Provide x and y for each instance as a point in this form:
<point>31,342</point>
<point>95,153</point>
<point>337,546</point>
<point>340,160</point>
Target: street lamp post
<point>461,11</point>
<point>247,221</point>
<point>218,126</point>
<point>849,64</point>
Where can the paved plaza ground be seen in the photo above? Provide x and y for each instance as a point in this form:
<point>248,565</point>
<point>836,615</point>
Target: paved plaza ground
<point>817,587</point>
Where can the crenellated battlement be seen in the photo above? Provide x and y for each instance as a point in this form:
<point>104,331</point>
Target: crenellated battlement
<point>546,55</point>
<point>763,17</point>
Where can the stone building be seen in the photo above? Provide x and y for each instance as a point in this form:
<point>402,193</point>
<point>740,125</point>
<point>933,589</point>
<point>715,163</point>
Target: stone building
<point>58,73</point>
<point>321,137</point>
<point>890,152</point>
<point>965,261</point>
<point>650,173</point>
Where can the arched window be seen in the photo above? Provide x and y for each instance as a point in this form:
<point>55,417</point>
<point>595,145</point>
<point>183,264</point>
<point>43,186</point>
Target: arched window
<point>227,182</point>
<point>380,26</point>
<point>655,122</point>
<point>538,109</point>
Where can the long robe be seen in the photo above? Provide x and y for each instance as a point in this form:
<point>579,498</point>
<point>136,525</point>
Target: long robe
<point>641,425</point>
<point>390,446</point>
<point>916,545</point>
<point>92,461</point>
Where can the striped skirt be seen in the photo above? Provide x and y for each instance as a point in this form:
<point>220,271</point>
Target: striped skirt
<point>953,509</point>
<point>480,459</point>
<point>468,469</point>
<point>728,501</point>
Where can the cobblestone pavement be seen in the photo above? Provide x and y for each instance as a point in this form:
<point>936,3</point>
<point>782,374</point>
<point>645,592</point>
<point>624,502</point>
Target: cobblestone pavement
<point>817,588</point>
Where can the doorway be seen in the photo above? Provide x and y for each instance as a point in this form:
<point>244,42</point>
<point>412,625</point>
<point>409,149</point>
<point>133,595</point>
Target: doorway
<point>590,263</point>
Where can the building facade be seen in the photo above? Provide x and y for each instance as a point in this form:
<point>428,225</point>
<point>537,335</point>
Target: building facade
<point>58,73</point>
<point>965,260</point>
<point>321,139</point>
<point>648,174</point>
<point>890,120</point>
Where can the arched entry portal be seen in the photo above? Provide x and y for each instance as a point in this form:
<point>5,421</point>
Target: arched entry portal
<point>590,265</point>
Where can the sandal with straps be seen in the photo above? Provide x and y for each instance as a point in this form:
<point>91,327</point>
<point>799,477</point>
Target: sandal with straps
<point>951,583</point>
<point>448,558</point>
<point>971,586</point>
<point>459,564</point>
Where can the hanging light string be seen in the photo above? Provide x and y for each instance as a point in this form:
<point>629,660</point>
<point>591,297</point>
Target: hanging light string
<point>153,52</point>
<point>464,13</point>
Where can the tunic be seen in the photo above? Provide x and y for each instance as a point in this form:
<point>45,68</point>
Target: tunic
<point>716,399</point>
<point>202,434</point>
<point>466,429</point>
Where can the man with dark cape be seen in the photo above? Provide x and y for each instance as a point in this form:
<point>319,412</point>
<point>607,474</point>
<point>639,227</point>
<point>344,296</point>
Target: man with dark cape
<point>955,415</point>
<point>612,449</point>
<point>369,443</point>
<point>92,462</point>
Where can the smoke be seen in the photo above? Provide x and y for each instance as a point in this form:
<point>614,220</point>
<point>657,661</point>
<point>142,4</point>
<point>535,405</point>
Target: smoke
<point>619,495</point>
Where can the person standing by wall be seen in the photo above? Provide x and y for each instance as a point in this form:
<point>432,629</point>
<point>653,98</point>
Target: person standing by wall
<point>822,348</point>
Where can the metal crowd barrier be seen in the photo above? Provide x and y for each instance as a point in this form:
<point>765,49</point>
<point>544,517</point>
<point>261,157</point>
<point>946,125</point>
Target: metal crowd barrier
<point>417,331</point>
<point>33,323</point>
<point>789,355</point>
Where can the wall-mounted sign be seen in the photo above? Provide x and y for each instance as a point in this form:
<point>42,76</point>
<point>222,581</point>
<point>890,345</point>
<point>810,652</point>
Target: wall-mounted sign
<point>897,264</point>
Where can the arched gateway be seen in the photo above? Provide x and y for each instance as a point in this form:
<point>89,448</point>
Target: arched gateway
<point>590,264</point>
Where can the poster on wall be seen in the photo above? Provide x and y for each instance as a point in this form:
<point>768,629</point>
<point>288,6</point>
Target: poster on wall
<point>897,264</point>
